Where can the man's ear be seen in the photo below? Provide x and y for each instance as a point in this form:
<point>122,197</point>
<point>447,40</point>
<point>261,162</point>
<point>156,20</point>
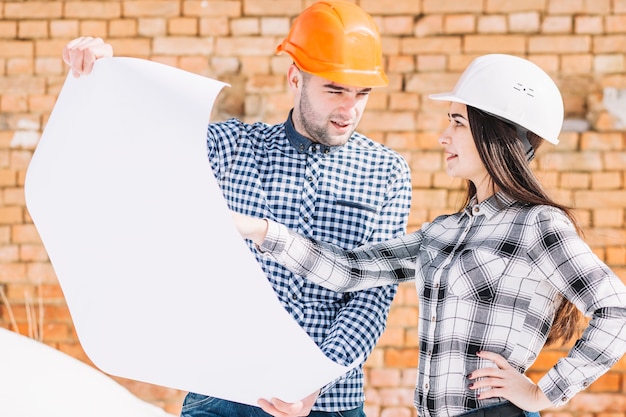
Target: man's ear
<point>294,77</point>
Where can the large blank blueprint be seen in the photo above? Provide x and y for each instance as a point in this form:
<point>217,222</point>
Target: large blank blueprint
<point>160,285</point>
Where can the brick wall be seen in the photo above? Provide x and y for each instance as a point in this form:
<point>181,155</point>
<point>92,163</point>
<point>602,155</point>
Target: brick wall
<point>581,43</point>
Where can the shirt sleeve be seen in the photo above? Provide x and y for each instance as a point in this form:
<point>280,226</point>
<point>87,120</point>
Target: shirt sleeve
<point>389,262</point>
<point>577,273</point>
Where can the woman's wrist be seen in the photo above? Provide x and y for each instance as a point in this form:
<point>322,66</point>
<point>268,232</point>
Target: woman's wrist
<point>259,231</point>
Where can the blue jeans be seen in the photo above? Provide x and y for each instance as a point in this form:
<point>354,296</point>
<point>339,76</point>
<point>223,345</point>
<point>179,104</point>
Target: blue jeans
<point>198,405</point>
<point>503,409</point>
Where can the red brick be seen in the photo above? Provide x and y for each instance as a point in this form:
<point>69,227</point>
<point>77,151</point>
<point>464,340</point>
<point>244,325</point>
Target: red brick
<point>557,24</point>
<point>94,28</point>
<point>577,63</point>
<point>245,26</point>
<point>615,161</point>
<point>13,49</point>
<point>609,63</point>
<point>212,9</point>
<point>182,26</point>
<point>33,29</point>
<point>401,358</point>
<point>451,6</point>
<point>391,7</point>
<point>525,22</point>
<point>432,45</point>
<point>33,10</point>
<point>613,217</point>
<point>121,28</point>
<point>217,26</point>
<point>428,25</point>
<point>148,27</point>
<point>588,25</point>
<point>459,24</point>
<point>93,9</point>
<point>383,377</point>
<point>9,253</point>
<point>575,180</point>
<point>606,180</point>
<point>150,8</point>
<point>508,6</point>
<point>492,24</point>
<point>615,24</point>
<point>562,44</point>
<point>64,28</point>
<point>245,46</point>
<point>483,44</point>
<point>8,29</point>
<point>397,25</point>
<point>391,337</point>
<point>11,272</point>
<point>271,7</point>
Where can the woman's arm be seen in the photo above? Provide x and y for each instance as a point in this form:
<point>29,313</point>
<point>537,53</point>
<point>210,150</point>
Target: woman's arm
<point>250,227</point>
<point>571,267</point>
<point>327,265</point>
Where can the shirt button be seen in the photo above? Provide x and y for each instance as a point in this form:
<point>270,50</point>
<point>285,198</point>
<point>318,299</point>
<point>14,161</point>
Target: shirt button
<point>294,297</point>
<point>476,209</point>
<point>433,318</point>
<point>309,179</point>
<point>564,399</point>
<point>306,219</point>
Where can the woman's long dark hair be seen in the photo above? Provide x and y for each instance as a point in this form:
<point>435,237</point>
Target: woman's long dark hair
<point>504,156</point>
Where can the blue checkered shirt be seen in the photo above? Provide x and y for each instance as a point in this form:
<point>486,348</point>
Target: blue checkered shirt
<point>347,196</point>
<point>488,278</point>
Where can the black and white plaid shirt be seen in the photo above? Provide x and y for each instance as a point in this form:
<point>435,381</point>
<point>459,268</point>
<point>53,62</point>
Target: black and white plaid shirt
<point>488,278</point>
<point>347,196</point>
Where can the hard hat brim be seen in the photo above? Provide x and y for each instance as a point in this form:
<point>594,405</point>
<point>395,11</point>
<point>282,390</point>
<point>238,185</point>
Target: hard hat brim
<point>451,96</point>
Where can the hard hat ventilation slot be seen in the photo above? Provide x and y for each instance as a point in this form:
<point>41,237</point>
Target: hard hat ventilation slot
<point>529,91</point>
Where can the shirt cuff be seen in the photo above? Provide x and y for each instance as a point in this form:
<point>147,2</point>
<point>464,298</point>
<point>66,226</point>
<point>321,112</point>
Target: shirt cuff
<point>275,239</point>
<point>557,393</point>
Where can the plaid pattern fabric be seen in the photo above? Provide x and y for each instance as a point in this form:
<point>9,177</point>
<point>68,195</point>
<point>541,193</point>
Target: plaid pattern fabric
<point>347,196</point>
<point>489,278</point>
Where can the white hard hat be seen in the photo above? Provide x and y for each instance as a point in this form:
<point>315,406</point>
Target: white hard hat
<point>514,89</point>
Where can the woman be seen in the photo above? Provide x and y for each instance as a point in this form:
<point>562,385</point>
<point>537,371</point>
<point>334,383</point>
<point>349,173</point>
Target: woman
<point>501,278</point>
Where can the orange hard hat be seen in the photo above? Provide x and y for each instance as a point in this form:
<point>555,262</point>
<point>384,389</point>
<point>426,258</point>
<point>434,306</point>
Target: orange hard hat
<point>338,41</point>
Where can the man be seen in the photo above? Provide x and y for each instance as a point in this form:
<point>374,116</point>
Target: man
<point>316,175</point>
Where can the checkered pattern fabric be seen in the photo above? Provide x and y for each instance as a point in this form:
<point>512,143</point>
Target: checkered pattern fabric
<point>347,196</point>
<point>489,278</point>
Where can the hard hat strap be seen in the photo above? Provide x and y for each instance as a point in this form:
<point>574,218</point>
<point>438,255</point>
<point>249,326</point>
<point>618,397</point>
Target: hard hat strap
<point>522,133</point>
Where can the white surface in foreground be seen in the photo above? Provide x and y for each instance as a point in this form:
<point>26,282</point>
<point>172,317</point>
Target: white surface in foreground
<point>39,381</point>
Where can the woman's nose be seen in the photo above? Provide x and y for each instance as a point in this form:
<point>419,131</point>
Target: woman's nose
<point>444,138</point>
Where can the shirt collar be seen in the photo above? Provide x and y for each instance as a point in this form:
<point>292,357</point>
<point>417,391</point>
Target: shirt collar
<point>303,144</point>
<point>490,207</point>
